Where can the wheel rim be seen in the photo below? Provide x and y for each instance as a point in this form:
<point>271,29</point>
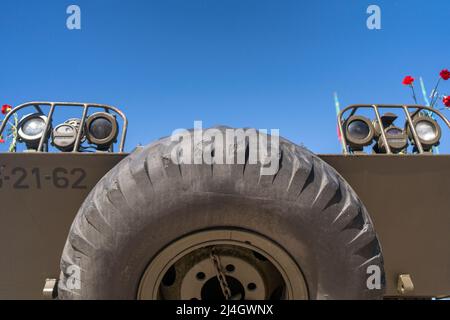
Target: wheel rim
<point>223,265</point>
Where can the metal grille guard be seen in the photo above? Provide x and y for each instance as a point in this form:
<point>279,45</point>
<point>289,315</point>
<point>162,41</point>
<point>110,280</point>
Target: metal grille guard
<point>409,119</point>
<point>54,105</point>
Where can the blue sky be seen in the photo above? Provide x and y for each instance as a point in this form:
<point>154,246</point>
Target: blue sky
<point>242,63</point>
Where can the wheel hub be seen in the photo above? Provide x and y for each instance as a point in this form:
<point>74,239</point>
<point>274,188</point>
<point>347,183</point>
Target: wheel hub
<point>199,280</point>
<point>198,268</point>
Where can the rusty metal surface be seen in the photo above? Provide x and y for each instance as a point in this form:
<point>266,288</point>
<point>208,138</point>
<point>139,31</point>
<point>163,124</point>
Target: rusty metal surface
<point>407,197</point>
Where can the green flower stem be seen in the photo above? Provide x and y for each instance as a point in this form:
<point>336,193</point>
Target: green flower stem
<point>434,94</point>
<point>414,93</point>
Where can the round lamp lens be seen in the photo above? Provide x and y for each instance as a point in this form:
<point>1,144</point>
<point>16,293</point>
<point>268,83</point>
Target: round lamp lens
<point>358,130</point>
<point>394,131</point>
<point>101,128</point>
<point>426,130</point>
<point>33,127</point>
<point>64,137</point>
<point>66,130</point>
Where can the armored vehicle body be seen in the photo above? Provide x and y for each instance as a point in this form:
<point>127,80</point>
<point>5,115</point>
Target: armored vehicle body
<point>222,213</point>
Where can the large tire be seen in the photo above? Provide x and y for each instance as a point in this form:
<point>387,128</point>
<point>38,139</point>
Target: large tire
<point>147,202</point>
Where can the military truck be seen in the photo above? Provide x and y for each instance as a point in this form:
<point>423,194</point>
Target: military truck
<point>82,219</point>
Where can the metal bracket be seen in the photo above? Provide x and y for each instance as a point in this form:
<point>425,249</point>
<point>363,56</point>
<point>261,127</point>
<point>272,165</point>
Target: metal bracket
<point>405,284</point>
<point>50,291</point>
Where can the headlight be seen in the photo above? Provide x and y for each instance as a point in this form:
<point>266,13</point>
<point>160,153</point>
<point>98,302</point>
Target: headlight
<point>396,139</point>
<point>358,129</point>
<point>428,131</point>
<point>359,132</point>
<point>102,130</point>
<point>65,135</point>
<point>31,129</point>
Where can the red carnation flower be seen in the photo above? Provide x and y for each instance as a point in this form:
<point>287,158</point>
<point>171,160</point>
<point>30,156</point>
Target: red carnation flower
<point>6,108</point>
<point>408,81</point>
<point>446,101</point>
<point>2,141</point>
<point>445,74</point>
